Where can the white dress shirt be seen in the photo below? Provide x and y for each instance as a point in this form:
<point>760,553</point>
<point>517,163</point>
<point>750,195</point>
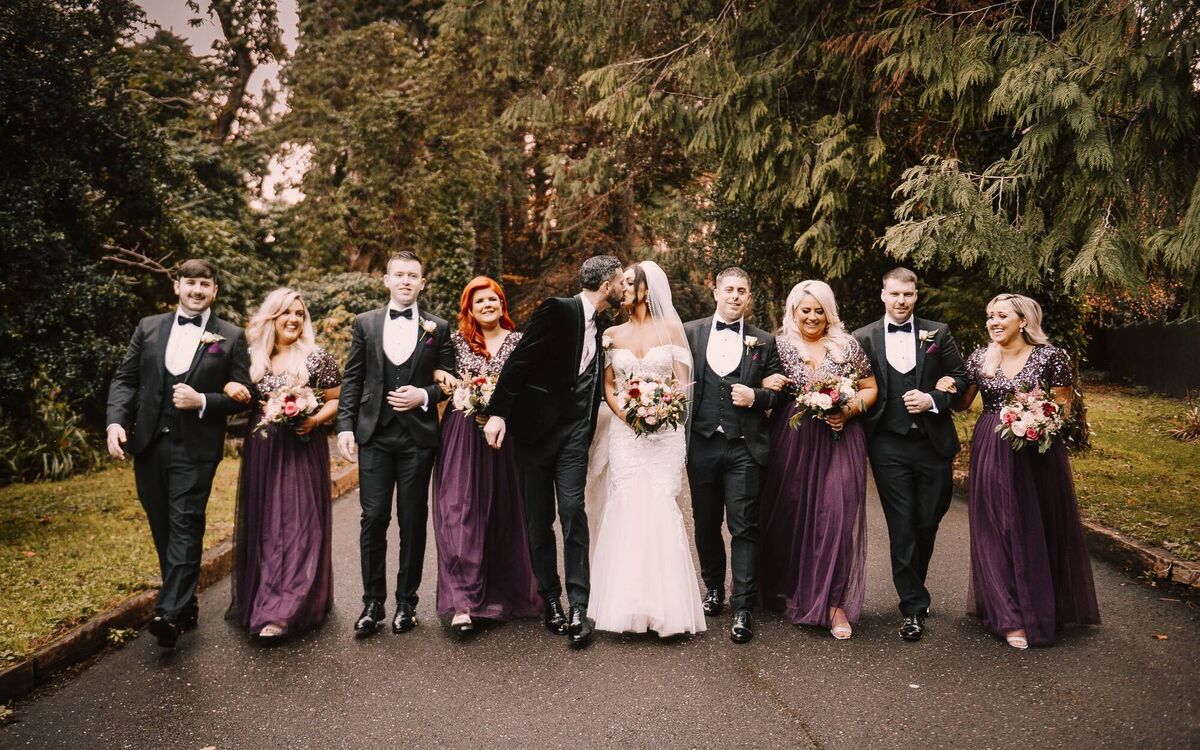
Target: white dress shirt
<point>724,352</point>
<point>400,334</point>
<point>589,334</point>
<point>184,341</point>
<point>902,349</point>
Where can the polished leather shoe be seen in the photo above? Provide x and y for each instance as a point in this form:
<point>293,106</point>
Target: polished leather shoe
<point>166,630</point>
<point>579,627</point>
<point>912,628</point>
<point>369,621</point>
<point>743,627</point>
<point>554,618</point>
<point>714,602</point>
<point>405,619</point>
<point>189,618</point>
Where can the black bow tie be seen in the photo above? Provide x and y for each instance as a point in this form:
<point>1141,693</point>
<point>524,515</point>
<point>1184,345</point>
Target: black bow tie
<point>736,326</point>
<point>906,327</point>
<point>393,313</point>
<point>185,320</point>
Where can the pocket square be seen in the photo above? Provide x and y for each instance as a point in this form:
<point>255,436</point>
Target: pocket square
<point>933,348</point>
<point>213,348</point>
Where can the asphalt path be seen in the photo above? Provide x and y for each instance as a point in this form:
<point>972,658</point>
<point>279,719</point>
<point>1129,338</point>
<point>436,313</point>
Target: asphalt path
<point>515,686</point>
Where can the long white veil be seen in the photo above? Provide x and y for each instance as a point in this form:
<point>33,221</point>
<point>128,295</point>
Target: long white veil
<point>668,327</point>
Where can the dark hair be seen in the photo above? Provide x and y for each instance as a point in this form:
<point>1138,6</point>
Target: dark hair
<point>639,282</point>
<point>732,271</point>
<point>198,268</point>
<point>596,270</point>
<point>901,274</point>
<point>405,255</point>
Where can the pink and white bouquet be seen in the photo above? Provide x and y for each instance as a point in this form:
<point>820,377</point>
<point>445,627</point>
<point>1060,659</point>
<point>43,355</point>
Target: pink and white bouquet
<point>290,405</point>
<point>1031,417</point>
<point>652,403</point>
<point>474,393</point>
<point>823,398</point>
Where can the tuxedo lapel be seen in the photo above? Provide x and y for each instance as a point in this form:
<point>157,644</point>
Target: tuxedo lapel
<point>580,326</point>
<point>879,347</point>
<point>374,329</point>
<point>700,356</point>
<point>159,353</point>
<point>917,322</point>
<point>746,360</point>
<point>201,348</point>
<point>419,347</point>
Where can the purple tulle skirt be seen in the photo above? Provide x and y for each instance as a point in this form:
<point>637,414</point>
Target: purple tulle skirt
<point>479,527</point>
<point>1029,564</point>
<point>283,572</point>
<point>813,526</point>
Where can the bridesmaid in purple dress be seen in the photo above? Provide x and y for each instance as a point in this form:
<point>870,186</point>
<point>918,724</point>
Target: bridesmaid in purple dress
<point>283,574</point>
<point>484,570</point>
<point>813,502</point>
<point>1030,571</point>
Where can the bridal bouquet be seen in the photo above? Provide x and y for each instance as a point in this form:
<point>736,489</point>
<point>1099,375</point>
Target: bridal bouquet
<point>822,399</point>
<point>290,405</point>
<point>473,394</point>
<point>1031,417</point>
<point>651,403</point>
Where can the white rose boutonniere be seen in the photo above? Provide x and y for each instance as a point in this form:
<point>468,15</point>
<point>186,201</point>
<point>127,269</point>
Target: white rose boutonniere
<point>429,326</point>
<point>752,342</point>
<point>926,336</point>
<point>208,338</point>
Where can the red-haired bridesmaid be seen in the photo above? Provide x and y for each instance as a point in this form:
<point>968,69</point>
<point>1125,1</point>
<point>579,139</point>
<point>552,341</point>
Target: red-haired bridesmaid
<point>484,570</point>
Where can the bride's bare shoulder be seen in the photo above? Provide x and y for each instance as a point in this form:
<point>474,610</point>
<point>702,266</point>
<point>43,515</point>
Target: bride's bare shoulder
<point>618,333</point>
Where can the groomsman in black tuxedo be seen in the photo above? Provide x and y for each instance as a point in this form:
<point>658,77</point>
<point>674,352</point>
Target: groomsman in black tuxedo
<point>387,420</point>
<point>729,444</point>
<point>166,406</point>
<point>912,439</point>
<point>546,397</point>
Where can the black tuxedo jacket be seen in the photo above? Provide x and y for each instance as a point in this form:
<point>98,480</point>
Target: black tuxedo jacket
<point>935,358</point>
<point>135,396</point>
<point>537,384</point>
<point>363,395</point>
<point>757,363</point>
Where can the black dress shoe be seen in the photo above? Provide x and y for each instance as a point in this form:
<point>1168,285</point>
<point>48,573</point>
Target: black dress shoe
<point>743,627</point>
<point>405,619</point>
<point>580,627</point>
<point>912,628</point>
<point>554,618</point>
<point>714,602</point>
<point>189,618</point>
<point>166,630</point>
<point>369,621</point>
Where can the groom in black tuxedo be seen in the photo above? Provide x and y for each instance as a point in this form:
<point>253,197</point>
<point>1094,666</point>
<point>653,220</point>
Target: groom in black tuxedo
<point>912,438</point>
<point>166,406</point>
<point>546,397</point>
<point>729,444</point>
<point>388,411</point>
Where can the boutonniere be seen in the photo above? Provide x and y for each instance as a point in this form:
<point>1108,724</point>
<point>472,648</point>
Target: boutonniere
<point>926,339</point>
<point>208,337</point>
<point>429,326</point>
<point>605,343</point>
<point>752,342</point>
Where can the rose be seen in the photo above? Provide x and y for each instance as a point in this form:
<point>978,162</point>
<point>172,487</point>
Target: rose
<point>751,342</point>
<point>641,411</point>
<point>290,407</point>
<point>1049,408</point>
<point>1008,417</point>
<point>1032,434</point>
<point>651,421</point>
<point>822,402</point>
<point>429,326</point>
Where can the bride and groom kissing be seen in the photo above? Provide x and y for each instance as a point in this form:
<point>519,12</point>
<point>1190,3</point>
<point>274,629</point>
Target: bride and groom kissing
<point>548,401</point>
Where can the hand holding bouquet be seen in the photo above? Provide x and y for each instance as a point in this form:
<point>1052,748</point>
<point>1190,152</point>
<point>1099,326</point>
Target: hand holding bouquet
<point>651,403</point>
<point>822,399</point>
<point>473,394</point>
<point>1031,417</point>
<point>290,405</point>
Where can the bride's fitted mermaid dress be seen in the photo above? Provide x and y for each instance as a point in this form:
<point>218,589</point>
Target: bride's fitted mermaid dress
<point>643,577</point>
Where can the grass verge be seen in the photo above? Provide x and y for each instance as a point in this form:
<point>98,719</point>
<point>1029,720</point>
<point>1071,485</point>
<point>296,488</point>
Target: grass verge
<point>1136,479</point>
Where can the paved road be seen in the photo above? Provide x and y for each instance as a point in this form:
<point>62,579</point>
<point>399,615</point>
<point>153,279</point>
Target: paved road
<point>513,686</point>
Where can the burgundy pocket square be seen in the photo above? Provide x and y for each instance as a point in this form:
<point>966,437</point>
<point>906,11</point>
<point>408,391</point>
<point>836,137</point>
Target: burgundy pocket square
<point>213,349</point>
<point>933,349</point>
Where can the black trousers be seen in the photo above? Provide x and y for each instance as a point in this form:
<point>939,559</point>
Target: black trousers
<point>915,486</point>
<point>173,488</point>
<point>390,463</point>
<point>556,467</point>
<point>725,481</point>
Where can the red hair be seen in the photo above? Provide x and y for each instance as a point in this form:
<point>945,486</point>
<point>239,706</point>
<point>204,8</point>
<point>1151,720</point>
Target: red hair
<point>468,326</point>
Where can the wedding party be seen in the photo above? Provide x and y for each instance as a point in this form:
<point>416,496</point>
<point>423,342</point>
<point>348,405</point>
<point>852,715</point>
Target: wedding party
<point>488,374</point>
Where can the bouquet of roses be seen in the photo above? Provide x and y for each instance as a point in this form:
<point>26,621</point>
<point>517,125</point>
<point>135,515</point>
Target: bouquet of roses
<point>289,404</point>
<point>1031,417</point>
<point>473,394</point>
<point>651,403</point>
<point>822,399</point>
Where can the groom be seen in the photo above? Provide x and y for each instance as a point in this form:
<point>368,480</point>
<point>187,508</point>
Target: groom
<point>388,407</point>
<point>166,405</point>
<point>729,444</point>
<point>547,396</point>
<point>912,436</point>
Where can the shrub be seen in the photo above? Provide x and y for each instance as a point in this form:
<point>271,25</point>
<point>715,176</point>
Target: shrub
<point>1186,428</point>
<point>54,444</point>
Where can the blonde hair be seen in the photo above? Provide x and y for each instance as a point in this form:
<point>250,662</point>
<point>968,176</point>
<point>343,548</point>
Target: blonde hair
<point>1030,313</point>
<point>836,339</point>
<point>260,335</point>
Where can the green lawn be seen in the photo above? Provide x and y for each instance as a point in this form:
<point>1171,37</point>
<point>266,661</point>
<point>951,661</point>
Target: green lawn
<point>1136,479</point>
<point>73,548</point>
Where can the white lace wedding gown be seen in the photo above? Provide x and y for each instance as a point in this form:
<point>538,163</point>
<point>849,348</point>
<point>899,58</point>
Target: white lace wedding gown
<point>642,575</point>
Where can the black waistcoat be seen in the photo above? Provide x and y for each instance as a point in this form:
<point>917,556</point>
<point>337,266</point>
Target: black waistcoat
<point>583,394</point>
<point>394,376</point>
<point>169,417</point>
<point>716,409</point>
<point>895,417</point>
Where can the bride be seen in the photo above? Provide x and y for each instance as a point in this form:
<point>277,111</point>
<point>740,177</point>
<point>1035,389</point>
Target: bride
<point>643,578</point>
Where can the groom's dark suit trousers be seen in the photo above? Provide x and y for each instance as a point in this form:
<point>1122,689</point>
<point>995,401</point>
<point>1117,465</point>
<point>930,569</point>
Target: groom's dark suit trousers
<point>173,487</point>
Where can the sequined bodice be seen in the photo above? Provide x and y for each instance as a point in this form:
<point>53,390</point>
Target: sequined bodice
<point>322,369</point>
<point>468,363</point>
<point>855,365</point>
<point>1047,365</point>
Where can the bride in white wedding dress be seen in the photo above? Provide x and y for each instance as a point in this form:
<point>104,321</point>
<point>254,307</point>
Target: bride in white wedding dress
<point>643,578</point>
